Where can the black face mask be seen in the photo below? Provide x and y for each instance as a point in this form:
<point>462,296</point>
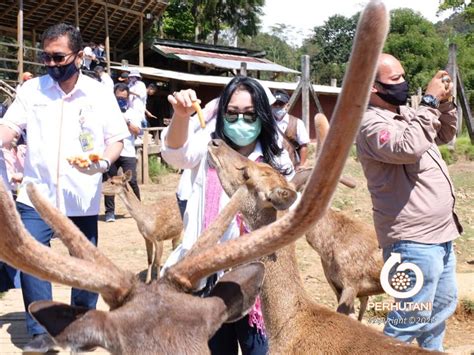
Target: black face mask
<point>396,94</point>
<point>61,73</point>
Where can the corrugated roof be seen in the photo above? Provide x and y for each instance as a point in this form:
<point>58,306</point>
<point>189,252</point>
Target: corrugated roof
<point>160,74</point>
<point>221,60</point>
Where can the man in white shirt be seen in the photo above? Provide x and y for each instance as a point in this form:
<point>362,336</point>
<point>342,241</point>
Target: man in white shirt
<point>138,93</point>
<point>127,159</point>
<point>292,130</point>
<point>103,77</point>
<point>65,114</point>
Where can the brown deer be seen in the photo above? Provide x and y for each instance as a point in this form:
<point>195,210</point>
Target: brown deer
<point>295,324</point>
<point>348,248</point>
<point>163,317</point>
<point>157,223</point>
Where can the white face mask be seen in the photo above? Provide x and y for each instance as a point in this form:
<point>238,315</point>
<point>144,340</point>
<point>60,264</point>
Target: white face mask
<point>279,112</point>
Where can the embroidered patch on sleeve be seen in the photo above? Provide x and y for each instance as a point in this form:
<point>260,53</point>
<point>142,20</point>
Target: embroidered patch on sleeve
<point>384,136</point>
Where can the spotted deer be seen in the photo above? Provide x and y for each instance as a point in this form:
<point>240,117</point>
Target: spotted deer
<point>164,316</point>
<point>156,223</point>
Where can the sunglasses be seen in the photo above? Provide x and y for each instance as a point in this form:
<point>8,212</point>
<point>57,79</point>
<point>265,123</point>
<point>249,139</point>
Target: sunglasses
<point>57,58</point>
<point>249,117</point>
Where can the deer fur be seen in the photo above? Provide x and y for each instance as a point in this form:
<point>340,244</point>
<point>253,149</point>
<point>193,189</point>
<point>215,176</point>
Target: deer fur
<point>156,223</point>
<point>350,256</point>
<point>294,323</point>
<point>163,317</point>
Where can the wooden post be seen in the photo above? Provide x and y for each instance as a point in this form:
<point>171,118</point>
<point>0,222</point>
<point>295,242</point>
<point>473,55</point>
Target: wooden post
<point>146,176</point>
<point>243,68</point>
<point>76,10</point>
<point>451,69</point>
<point>107,42</point>
<point>33,44</point>
<point>305,90</point>
<point>141,61</point>
<point>468,119</point>
<point>19,24</point>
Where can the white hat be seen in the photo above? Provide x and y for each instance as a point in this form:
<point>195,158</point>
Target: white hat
<point>134,72</point>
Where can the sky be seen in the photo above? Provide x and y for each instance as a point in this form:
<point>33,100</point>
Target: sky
<point>304,15</point>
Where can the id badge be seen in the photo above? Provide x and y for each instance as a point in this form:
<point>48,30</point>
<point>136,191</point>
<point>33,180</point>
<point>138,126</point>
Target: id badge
<point>87,140</point>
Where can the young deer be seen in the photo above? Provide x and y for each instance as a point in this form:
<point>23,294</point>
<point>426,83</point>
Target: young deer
<point>163,317</point>
<point>348,248</point>
<point>156,223</point>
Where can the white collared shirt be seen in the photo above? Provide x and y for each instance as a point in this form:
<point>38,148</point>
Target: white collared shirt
<point>302,136</point>
<point>54,122</point>
<point>134,115</point>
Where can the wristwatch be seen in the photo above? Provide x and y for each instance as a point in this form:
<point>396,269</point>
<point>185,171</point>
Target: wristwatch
<point>430,101</point>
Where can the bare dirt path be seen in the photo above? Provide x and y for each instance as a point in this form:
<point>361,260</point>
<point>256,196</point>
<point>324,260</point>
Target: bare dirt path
<point>122,242</point>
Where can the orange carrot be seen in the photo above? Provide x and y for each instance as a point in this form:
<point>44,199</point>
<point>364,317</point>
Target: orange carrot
<point>197,107</point>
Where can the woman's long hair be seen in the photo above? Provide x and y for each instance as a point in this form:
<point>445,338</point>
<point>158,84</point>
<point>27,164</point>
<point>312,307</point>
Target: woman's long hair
<point>268,137</point>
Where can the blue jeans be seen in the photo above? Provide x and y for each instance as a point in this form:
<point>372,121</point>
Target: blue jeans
<point>227,339</point>
<point>35,289</point>
<point>438,265</point>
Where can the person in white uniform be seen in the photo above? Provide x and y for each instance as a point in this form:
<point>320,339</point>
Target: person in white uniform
<point>294,135</point>
<point>65,114</point>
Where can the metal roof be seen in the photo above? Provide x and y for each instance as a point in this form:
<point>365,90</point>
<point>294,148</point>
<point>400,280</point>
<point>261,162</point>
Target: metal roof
<point>221,60</point>
<point>160,74</point>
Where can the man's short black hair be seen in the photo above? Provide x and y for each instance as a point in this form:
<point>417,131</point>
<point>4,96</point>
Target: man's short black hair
<point>99,69</point>
<point>121,87</point>
<point>152,86</point>
<point>62,29</point>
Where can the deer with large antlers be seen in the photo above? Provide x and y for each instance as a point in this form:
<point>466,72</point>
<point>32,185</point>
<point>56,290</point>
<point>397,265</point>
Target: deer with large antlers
<point>163,317</point>
<point>156,223</point>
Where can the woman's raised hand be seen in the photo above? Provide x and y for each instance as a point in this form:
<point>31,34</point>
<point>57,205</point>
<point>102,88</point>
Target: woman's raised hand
<point>182,102</point>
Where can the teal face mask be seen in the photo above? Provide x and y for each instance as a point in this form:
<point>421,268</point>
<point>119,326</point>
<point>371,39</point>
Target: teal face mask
<point>242,133</point>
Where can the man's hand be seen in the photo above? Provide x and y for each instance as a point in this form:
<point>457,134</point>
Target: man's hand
<point>441,86</point>
<point>101,167</point>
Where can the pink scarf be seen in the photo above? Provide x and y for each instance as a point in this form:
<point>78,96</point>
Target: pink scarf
<point>213,194</point>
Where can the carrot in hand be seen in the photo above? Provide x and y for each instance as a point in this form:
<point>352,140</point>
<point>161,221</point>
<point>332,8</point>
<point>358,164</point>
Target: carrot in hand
<point>197,107</point>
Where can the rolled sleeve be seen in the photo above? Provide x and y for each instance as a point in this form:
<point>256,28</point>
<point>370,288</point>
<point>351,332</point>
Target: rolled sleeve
<point>397,141</point>
<point>448,123</point>
<point>191,153</point>
<point>17,114</point>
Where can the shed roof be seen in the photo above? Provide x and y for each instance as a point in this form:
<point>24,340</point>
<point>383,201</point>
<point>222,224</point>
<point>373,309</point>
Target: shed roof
<point>123,17</point>
<point>160,74</point>
<point>219,59</point>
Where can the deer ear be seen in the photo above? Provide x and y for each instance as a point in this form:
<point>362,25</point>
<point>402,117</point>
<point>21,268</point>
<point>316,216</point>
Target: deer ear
<point>300,178</point>
<point>78,328</point>
<point>239,288</point>
<point>128,175</point>
<point>282,198</point>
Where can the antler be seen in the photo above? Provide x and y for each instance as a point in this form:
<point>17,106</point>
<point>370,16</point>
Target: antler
<point>370,37</point>
<point>19,249</point>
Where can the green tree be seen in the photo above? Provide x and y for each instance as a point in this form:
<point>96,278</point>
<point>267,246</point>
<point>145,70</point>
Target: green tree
<point>277,46</point>
<point>415,42</point>
<point>177,21</point>
<point>332,43</point>
<point>197,19</point>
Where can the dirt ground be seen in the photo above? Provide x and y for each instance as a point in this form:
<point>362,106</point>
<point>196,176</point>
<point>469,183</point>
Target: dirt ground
<point>124,245</point>
<point>130,253</point>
